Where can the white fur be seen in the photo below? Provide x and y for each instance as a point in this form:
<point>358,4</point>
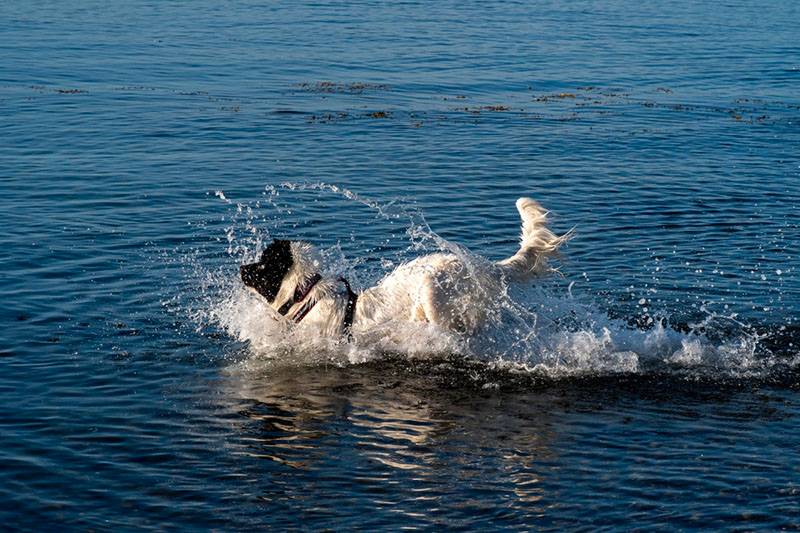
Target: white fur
<point>442,289</point>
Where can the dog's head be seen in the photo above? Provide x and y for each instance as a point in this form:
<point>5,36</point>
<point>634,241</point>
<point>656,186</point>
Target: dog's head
<point>267,275</point>
<point>283,266</point>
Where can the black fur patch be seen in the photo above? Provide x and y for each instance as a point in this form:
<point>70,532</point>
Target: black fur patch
<point>267,274</point>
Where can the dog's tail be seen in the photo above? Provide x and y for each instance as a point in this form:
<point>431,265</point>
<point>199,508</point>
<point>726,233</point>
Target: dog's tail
<point>538,243</point>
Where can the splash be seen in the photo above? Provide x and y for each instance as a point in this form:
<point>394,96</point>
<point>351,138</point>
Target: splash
<point>549,329</point>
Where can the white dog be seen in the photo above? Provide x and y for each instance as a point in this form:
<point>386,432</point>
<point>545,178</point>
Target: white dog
<point>442,289</point>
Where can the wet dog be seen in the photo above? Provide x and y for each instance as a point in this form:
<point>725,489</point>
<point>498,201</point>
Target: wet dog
<point>442,289</point>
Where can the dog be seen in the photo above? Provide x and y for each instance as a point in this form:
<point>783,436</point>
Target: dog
<point>443,289</point>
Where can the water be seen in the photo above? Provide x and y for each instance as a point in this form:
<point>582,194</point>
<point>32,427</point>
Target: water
<point>149,148</point>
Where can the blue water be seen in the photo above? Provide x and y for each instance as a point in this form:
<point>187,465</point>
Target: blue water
<point>148,148</point>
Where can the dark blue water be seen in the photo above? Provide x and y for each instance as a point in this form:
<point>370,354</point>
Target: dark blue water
<point>147,148</point>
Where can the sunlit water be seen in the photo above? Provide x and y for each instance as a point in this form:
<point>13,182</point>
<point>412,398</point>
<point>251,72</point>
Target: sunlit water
<point>149,149</point>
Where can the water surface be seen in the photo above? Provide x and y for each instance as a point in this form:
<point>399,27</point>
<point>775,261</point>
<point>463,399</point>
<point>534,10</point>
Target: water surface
<point>148,148</point>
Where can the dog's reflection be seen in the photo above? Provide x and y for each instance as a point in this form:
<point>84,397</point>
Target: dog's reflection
<point>377,421</point>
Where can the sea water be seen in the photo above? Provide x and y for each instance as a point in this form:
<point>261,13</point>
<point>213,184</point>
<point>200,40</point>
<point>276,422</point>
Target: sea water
<point>149,148</point>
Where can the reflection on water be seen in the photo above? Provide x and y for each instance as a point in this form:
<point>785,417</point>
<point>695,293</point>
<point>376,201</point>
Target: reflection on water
<point>386,426</point>
<point>390,437</point>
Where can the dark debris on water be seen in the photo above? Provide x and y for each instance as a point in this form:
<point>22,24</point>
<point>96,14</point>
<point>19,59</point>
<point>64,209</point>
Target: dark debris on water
<point>331,87</point>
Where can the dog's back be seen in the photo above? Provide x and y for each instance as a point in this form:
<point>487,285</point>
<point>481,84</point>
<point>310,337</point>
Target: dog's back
<point>454,292</point>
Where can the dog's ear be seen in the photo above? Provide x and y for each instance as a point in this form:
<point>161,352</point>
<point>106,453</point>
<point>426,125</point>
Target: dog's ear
<point>278,254</point>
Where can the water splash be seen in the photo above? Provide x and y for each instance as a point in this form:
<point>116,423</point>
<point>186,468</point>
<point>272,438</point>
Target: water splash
<point>550,328</point>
